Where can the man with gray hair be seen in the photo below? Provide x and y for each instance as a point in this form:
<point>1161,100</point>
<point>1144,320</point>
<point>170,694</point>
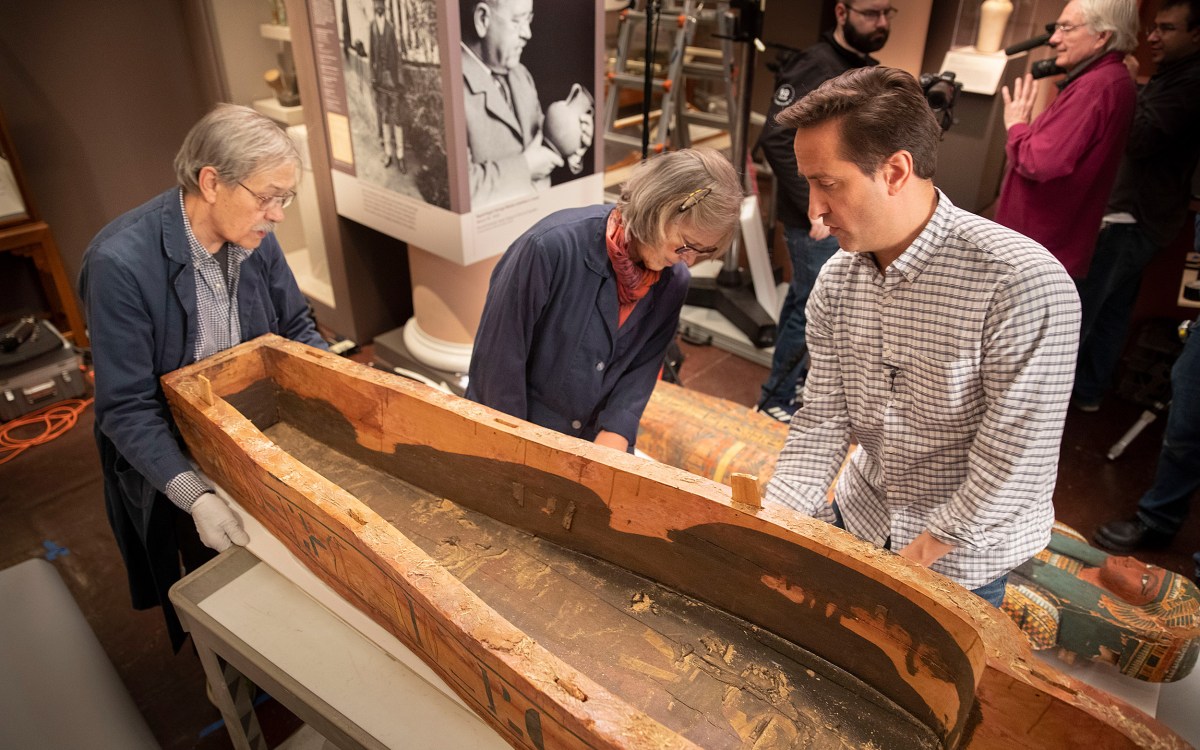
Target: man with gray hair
<point>941,343</point>
<point>509,152</point>
<point>190,273</point>
<point>1061,166</point>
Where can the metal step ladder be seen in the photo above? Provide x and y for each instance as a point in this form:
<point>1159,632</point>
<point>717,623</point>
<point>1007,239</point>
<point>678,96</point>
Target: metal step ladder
<point>705,64</point>
<point>685,64</point>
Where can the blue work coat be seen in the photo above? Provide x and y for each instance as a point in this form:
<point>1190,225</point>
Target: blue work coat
<point>549,349</point>
<point>138,288</point>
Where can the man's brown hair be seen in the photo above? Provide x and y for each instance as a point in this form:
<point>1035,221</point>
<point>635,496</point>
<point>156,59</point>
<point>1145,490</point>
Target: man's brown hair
<point>880,111</point>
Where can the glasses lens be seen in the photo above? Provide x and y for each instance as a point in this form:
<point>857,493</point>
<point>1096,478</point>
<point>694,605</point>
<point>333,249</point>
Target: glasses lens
<point>875,15</point>
<point>697,252</point>
<point>286,200</point>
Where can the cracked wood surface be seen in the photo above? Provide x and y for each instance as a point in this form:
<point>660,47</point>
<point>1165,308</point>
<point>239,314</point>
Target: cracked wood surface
<point>712,677</point>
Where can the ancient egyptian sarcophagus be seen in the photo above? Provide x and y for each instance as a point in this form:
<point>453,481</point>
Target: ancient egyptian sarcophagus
<point>577,597</point>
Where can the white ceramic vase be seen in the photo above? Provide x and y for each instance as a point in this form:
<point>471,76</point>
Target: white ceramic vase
<point>993,16</point>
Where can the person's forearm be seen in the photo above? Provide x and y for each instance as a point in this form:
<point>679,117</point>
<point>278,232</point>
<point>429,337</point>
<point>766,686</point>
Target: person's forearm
<point>612,440</point>
<point>926,549</point>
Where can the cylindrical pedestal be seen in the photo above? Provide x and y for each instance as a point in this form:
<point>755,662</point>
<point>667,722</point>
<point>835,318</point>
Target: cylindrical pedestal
<point>447,304</point>
<point>993,16</point>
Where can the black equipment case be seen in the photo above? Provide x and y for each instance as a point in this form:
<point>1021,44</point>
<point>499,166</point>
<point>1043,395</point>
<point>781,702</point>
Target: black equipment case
<point>37,367</point>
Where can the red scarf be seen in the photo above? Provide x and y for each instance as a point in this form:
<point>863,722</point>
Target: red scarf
<point>633,279</point>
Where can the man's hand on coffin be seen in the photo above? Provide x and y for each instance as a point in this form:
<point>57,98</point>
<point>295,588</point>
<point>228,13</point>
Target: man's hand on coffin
<point>217,525</point>
<point>926,549</point>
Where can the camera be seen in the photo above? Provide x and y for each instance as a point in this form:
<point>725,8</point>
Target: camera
<point>941,91</point>
<point>1044,68</point>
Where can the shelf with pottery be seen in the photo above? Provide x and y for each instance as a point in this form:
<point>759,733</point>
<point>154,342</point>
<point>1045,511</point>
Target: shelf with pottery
<point>272,106</point>
<point>301,236</point>
<point>276,31</point>
<point>977,55</point>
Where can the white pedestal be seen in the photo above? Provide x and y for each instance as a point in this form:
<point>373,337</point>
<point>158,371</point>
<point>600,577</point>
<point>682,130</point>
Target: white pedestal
<point>979,72</point>
<point>279,113</point>
<point>442,355</point>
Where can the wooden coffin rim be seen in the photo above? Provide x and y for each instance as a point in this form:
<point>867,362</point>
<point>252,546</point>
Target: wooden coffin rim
<point>1018,697</point>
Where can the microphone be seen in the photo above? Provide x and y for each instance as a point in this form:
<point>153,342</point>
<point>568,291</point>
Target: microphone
<point>1026,45</point>
<point>1029,44</point>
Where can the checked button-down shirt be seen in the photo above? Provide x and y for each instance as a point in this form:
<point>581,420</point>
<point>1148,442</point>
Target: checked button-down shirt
<point>951,370</point>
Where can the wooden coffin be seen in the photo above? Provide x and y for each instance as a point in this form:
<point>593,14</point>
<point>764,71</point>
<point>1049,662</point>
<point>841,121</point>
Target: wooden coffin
<point>577,597</point>
<point>709,436</point>
<point>1140,618</point>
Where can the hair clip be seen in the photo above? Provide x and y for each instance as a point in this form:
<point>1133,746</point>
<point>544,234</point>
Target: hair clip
<point>693,198</point>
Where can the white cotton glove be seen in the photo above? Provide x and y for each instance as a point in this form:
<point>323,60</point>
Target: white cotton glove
<point>217,525</point>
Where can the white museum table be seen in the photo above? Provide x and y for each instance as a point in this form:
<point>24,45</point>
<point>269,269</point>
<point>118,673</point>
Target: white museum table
<point>269,619</point>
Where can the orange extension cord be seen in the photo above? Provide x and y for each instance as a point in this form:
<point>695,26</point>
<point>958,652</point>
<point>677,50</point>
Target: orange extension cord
<point>23,433</point>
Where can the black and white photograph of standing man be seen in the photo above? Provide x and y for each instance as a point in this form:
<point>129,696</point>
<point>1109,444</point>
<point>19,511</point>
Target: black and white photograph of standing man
<point>392,72</point>
<point>515,146</point>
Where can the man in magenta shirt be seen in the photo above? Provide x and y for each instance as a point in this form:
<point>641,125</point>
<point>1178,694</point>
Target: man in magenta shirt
<point>1061,166</point>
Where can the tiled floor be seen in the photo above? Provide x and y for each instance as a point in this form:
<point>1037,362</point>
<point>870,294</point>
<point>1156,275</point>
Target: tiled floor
<point>51,506</point>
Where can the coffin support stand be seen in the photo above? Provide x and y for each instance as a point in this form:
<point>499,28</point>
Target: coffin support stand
<point>253,625</point>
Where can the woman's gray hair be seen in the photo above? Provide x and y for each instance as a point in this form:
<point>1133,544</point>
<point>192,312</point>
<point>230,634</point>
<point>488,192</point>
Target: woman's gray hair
<point>655,195</point>
<point>1118,16</point>
<point>237,142</point>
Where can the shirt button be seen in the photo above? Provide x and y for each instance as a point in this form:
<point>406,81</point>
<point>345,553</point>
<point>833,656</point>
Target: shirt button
<point>891,449</point>
<point>887,353</point>
<point>576,424</point>
<point>599,365</point>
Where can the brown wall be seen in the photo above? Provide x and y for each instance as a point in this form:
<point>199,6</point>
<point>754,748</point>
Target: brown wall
<point>98,97</point>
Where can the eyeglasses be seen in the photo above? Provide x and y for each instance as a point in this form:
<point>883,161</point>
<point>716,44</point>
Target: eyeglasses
<point>875,15</point>
<point>266,202</point>
<point>1161,29</point>
<point>1063,28</point>
<point>521,20</point>
<point>688,250</point>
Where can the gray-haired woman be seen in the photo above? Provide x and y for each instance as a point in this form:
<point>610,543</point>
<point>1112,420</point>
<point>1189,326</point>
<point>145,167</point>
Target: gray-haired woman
<point>582,307</point>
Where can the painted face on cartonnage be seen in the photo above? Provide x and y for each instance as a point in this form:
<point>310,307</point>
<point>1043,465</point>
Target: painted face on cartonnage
<point>867,24</point>
<point>509,30</point>
<point>1074,42</point>
<point>1170,38</point>
<point>846,200</point>
<point>240,218</point>
<point>682,243</point>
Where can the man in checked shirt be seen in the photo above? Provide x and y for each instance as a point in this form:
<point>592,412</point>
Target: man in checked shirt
<point>942,344</point>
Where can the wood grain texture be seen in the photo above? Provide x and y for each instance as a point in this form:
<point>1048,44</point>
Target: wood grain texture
<point>939,654</point>
<point>697,670</point>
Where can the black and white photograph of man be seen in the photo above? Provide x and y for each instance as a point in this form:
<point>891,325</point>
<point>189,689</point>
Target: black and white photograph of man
<point>516,146</point>
<point>394,96</point>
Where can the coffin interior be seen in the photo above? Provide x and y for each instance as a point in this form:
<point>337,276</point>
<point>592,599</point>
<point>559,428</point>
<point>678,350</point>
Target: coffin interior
<point>710,676</point>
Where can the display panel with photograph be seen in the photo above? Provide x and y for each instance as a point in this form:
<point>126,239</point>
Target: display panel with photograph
<point>390,93</point>
<point>457,124</point>
<point>528,100</point>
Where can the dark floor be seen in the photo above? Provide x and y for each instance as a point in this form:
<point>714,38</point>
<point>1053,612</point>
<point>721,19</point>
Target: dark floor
<point>51,506</point>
